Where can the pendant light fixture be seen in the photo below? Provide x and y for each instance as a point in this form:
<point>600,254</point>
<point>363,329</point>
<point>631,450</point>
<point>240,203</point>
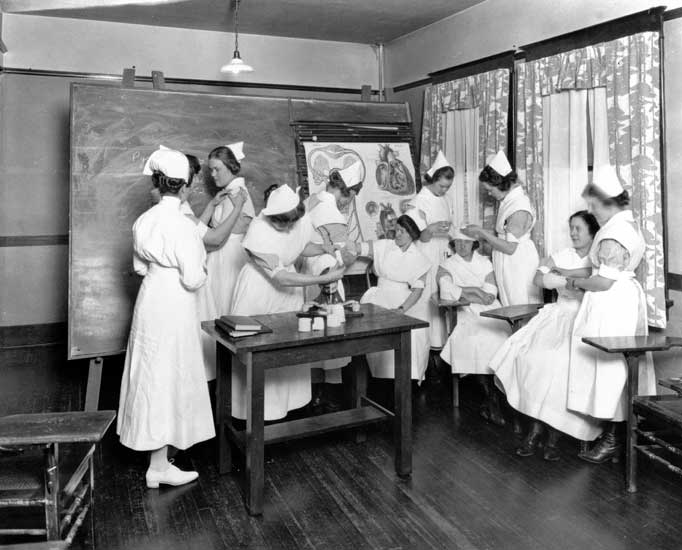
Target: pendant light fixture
<point>236,65</point>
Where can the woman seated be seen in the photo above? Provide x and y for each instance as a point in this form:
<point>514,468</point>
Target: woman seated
<point>401,270</point>
<point>532,365</point>
<point>468,276</point>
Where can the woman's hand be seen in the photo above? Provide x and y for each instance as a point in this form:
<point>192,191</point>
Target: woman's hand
<point>332,275</point>
<point>348,255</point>
<point>220,197</point>
<point>473,231</point>
<point>239,198</point>
<point>486,298</point>
<point>439,227</point>
<point>559,271</point>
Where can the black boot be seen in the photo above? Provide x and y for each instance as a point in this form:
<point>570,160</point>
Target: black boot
<point>551,451</point>
<point>531,441</point>
<point>608,447</point>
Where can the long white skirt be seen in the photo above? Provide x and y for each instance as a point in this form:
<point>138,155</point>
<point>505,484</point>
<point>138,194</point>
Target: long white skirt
<point>514,274</point>
<point>474,340</point>
<point>436,251</point>
<point>286,388</point>
<point>532,369</point>
<point>597,379</point>
<point>164,398</point>
<point>390,294</point>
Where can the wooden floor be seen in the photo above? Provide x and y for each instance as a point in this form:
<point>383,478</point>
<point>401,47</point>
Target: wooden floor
<point>468,490</point>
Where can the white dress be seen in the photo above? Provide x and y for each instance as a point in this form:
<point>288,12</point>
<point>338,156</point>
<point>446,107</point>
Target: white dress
<point>436,209</point>
<point>474,339</point>
<point>514,273</point>
<point>398,272</point>
<point>164,398</point>
<point>532,365</point>
<point>257,293</point>
<point>597,379</point>
<point>322,210</point>
<point>223,265</point>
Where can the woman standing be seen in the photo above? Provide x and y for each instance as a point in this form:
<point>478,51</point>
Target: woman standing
<point>469,276</point>
<point>433,203</point>
<point>532,365</point>
<point>269,283</point>
<point>614,305</point>
<point>164,398</point>
<point>515,257</point>
<point>401,270</point>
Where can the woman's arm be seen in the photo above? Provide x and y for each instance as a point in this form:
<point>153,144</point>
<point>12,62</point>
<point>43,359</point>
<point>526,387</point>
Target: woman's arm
<point>293,278</point>
<point>546,265</point>
<point>315,249</point>
<point>436,229</point>
<point>414,296</point>
<point>210,207</point>
<point>216,237</point>
<point>596,283</point>
<point>578,273</point>
<point>517,225</point>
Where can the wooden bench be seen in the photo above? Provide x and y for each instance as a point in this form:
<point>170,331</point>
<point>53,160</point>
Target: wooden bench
<point>54,471</point>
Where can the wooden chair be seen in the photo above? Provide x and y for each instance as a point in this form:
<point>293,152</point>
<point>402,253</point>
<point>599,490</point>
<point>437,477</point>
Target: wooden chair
<point>55,470</point>
<point>449,310</point>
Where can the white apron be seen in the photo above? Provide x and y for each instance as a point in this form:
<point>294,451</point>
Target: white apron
<point>256,293</point>
<point>436,209</point>
<point>514,273</point>
<point>397,272</point>
<point>474,339</point>
<point>532,365</point>
<point>223,265</point>
<point>164,398</point>
<point>597,379</point>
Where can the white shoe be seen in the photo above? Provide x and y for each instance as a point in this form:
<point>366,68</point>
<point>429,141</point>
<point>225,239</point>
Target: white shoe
<point>172,476</point>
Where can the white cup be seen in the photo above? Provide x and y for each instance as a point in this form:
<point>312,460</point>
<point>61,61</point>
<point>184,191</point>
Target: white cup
<point>305,324</point>
<point>318,323</point>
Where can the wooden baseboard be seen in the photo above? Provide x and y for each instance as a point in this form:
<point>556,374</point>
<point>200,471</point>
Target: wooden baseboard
<point>21,336</point>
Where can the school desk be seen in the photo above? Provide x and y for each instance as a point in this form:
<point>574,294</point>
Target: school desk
<point>378,329</point>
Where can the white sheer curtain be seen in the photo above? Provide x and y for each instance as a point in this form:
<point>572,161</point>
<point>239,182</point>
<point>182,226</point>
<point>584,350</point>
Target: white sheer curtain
<point>461,149</point>
<point>566,117</point>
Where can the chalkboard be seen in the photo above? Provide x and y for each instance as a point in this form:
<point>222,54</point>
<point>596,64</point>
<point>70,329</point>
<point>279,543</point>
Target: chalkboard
<point>113,132</point>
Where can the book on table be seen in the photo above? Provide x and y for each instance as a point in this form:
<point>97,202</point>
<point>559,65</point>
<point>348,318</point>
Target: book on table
<point>240,323</point>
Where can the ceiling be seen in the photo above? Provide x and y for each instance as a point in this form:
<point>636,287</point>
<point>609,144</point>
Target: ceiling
<point>363,21</point>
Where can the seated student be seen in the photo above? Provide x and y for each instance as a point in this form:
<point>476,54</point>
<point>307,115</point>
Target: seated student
<point>469,275</point>
<point>401,270</point>
<point>532,365</point>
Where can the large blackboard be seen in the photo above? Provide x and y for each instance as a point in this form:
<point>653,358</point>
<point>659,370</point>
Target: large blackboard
<point>113,131</point>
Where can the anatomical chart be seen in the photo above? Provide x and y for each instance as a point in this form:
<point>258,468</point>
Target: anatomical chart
<point>388,183</point>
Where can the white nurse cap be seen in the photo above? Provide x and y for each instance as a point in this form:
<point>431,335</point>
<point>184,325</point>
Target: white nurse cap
<point>418,217</point>
<point>606,180</point>
<point>352,175</point>
<point>281,200</point>
<point>171,163</point>
<point>440,162</point>
<point>499,163</point>
<point>237,149</point>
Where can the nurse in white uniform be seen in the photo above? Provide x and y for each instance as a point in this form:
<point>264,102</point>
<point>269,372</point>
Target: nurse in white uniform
<point>469,275</point>
<point>532,365</point>
<point>515,257</point>
<point>402,270</point>
<point>164,398</point>
<point>614,305</point>
<point>269,283</point>
<point>433,202</point>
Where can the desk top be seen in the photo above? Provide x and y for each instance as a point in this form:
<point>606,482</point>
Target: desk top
<point>624,344</point>
<point>375,320</point>
<point>58,427</point>
<point>513,313</point>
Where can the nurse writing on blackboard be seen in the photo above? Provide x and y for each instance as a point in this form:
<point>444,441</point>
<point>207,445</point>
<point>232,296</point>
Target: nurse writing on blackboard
<point>164,398</point>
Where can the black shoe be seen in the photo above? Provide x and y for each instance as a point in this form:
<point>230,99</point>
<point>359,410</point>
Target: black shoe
<point>531,442</point>
<point>607,447</point>
<point>551,451</point>
<point>495,408</point>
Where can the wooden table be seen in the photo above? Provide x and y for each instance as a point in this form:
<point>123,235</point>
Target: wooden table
<point>516,316</point>
<point>378,329</point>
<point>632,348</point>
<point>449,308</point>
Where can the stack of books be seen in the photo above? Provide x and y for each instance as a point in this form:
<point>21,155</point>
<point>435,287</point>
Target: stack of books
<point>240,325</point>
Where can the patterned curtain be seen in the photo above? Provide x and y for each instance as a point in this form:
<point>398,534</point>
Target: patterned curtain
<point>629,70</point>
<point>490,93</point>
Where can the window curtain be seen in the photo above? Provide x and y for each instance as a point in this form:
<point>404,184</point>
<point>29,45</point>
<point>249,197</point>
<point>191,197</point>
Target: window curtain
<point>467,119</point>
<point>628,70</point>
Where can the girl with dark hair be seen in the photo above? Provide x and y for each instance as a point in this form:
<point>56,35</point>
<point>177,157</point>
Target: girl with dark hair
<point>164,398</point>
<point>401,270</point>
<point>532,365</point>
<point>269,283</point>
<point>433,200</point>
<point>468,275</point>
<point>614,305</point>
<point>515,257</point>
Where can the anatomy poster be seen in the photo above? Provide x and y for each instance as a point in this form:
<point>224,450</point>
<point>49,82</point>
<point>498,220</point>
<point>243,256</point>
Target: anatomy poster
<point>388,183</point>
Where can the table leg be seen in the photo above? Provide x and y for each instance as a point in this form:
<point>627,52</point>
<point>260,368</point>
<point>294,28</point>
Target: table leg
<point>255,411</point>
<point>403,405</point>
<point>632,360</point>
<point>358,389</point>
<point>223,406</point>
